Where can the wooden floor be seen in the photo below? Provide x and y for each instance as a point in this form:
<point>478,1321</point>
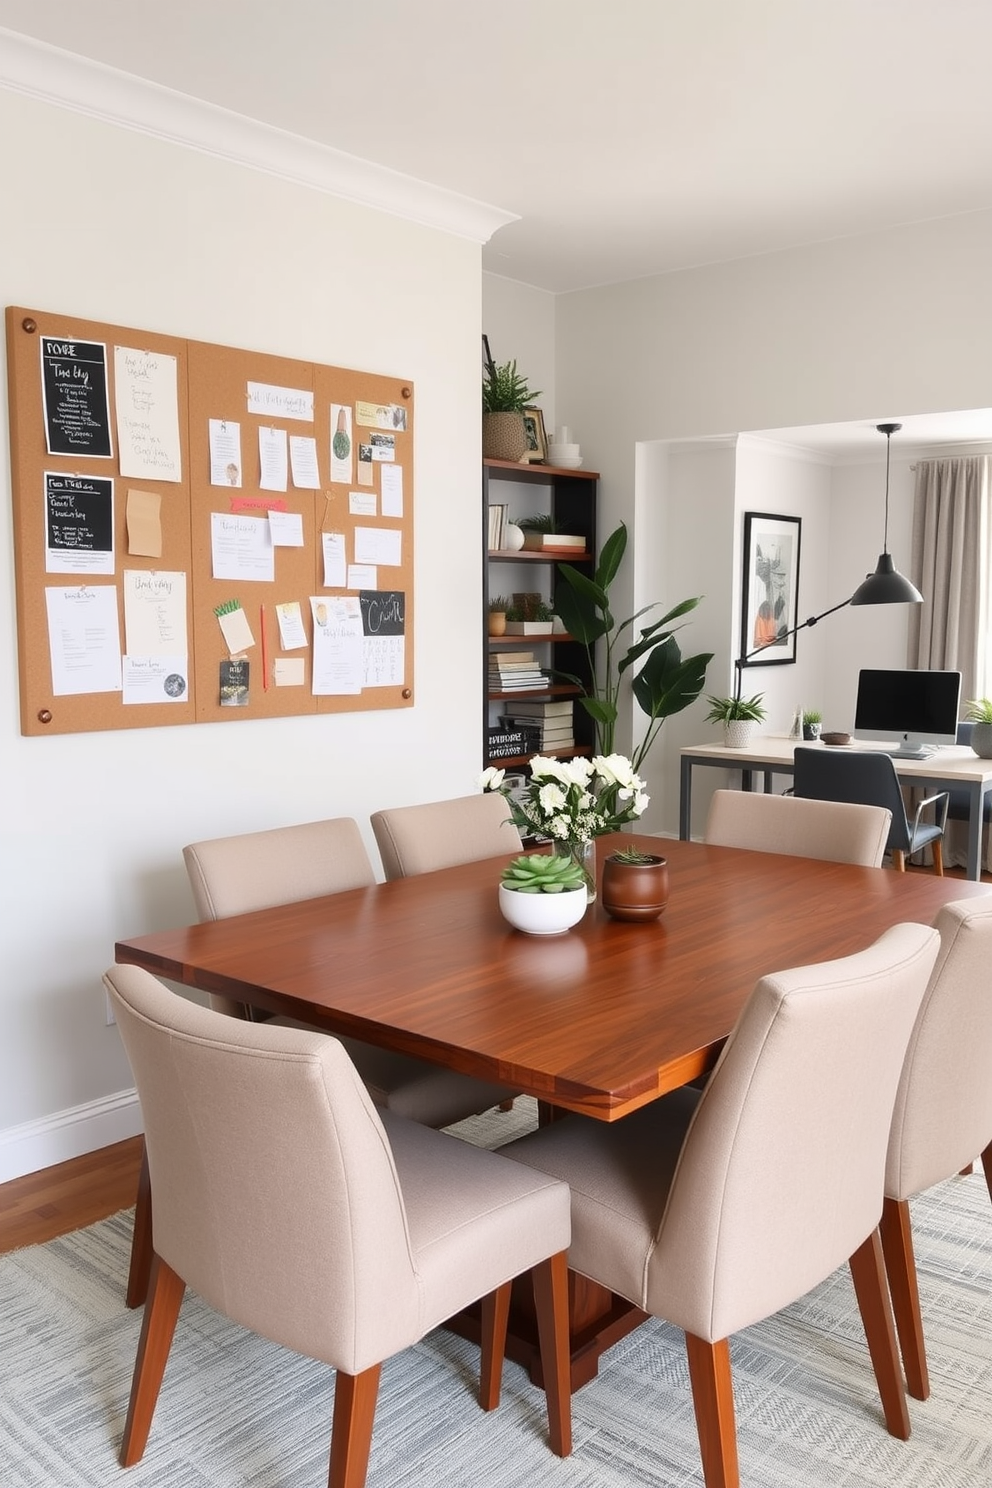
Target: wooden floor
<point>52,1202</point>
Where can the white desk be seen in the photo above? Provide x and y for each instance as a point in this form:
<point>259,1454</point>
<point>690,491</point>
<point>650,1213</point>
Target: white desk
<point>954,765</point>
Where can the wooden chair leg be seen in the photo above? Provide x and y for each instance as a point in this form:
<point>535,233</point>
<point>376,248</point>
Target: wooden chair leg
<point>899,860</point>
<point>900,1266</point>
<point>495,1315</point>
<point>351,1432</point>
<point>967,1172</point>
<point>551,1306</point>
<point>141,1239</point>
<point>506,1105</point>
<point>937,848</point>
<point>987,1167</point>
<point>165,1295</point>
<point>713,1402</point>
<point>868,1271</point>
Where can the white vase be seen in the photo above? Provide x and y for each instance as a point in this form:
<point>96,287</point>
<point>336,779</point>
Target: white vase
<point>738,732</point>
<point>542,914</point>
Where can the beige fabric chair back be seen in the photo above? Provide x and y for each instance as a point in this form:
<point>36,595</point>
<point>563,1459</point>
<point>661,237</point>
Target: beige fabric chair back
<point>442,834</point>
<point>276,1197</point>
<point>943,1110</point>
<point>256,870</point>
<point>835,831</point>
<point>779,1180</point>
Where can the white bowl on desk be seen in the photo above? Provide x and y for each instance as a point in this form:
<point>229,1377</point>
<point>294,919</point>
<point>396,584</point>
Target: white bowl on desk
<point>543,914</point>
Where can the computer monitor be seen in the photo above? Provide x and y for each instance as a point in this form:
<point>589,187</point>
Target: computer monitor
<point>917,708</point>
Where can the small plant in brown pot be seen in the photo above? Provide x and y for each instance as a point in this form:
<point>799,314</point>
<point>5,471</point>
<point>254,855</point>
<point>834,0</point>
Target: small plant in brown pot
<point>635,884</point>
<point>498,606</point>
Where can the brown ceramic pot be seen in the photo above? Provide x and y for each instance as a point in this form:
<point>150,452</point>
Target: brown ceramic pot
<point>635,891</point>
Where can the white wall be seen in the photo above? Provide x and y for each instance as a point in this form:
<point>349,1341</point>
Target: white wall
<point>520,323</point>
<point>858,329</point>
<point>116,226</point>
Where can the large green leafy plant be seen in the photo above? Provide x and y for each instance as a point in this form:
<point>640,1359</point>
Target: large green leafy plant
<point>662,680</point>
<point>504,390</point>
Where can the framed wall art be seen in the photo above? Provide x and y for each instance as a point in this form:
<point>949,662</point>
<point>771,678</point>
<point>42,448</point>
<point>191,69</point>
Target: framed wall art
<point>770,589</point>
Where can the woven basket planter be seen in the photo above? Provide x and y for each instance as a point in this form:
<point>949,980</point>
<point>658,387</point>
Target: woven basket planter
<point>503,436</point>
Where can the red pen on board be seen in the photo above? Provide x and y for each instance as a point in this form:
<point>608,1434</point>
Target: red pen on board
<point>265,649</point>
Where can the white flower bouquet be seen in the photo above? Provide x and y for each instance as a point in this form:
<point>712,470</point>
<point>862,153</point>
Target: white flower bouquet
<point>573,800</point>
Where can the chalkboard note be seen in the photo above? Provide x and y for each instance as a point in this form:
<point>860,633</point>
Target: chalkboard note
<point>74,389</point>
<point>383,630</point>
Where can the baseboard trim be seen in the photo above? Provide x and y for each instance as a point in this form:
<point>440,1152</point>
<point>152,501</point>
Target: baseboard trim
<point>66,1134</point>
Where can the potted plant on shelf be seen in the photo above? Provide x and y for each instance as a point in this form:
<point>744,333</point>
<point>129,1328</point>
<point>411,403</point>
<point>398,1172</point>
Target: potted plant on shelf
<point>812,723</point>
<point>505,395</point>
<point>498,606</point>
<point>572,802</point>
<point>739,716</point>
<point>536,617</point>
<point>542,894</point>
<point>666,681</point>
<point>979,712</point>
<point>635,884</point>
<point>541,535</point>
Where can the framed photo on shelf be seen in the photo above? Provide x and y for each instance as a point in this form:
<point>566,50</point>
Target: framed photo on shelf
<point>770,589</point>
<point>537,439</point>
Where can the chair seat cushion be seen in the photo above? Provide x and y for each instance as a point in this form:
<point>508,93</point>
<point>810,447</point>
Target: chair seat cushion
<point>475,1220</point>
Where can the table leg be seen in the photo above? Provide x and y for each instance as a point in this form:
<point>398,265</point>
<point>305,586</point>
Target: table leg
<point>685,800</point>
<point>976,808</point>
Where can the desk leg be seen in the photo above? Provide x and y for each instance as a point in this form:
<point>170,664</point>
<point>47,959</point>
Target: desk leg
<point>976,808</point>
<point>685,801</point>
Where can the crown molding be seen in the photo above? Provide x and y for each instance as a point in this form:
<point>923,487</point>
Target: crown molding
<point>69,81</point>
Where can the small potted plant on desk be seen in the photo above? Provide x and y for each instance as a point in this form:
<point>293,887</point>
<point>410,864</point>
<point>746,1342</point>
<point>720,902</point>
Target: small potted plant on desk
<point>635,884</point>
<point>812,723</point>
<point>739,717</point>
<point>979,713</point>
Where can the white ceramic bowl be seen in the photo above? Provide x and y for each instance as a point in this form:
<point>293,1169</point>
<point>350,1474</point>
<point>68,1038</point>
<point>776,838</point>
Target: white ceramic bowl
<point>564,462</point>
<point>570,451</point>
<point>543,914</point>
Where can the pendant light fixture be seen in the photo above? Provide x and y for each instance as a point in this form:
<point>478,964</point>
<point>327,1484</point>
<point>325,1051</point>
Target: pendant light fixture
<point>886,585</point>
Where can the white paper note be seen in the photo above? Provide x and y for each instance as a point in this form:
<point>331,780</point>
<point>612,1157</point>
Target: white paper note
<point>289,671</point>
<point>84,639</point>
<point>146,399</point>
<point>286,529</point>
<point>334,559</point>
<point>362,504</point>
<point>292,635</point>
<point>303,461</point>
<point>337,646</point>
<point>273,460</point>
<point>236,631</point>
<point>154,613</point>
<point>383,659</point>
<point>362,576</point>
<point>378,545</point>
<point>155,679</point>
<point>280,402</point>
<point>241,548</point>
<point>225,452</point>
<point>392,490</point>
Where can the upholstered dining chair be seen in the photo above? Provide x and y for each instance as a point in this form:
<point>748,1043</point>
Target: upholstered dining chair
<point>943,1110</point>
<point>444,834</point>
<point>869,777</point>
<point>835,832</point>
<point>295,1207</point>
<point>258,870</point>
<point>714,1209</point>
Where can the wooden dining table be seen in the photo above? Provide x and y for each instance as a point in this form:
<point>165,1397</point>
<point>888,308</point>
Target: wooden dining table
<point>600,1020</point>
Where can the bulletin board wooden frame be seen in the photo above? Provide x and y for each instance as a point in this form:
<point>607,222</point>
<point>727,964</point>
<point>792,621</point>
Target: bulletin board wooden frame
<point>212,383</point>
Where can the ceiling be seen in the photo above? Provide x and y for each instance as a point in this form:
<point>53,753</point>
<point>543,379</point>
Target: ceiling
<point>628,139</point>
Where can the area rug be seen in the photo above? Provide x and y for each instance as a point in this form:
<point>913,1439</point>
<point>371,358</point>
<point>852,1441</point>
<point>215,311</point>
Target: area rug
<point>236,1412</point>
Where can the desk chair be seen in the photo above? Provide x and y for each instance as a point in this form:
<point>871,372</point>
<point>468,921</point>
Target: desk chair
<point>958,804</point>
<point>869,777</point>
<point>257,870</point>
<point>714,1209</point>
<point>943,1110</point>
<point>297,1209</point>
<point>833,832</point>
<point>443,834</point>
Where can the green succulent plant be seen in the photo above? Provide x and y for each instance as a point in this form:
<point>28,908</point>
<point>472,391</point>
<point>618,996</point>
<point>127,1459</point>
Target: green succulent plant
<point>542,873</point>
<point>736,710</point>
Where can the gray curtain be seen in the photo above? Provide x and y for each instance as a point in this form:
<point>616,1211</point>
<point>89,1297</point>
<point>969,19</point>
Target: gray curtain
<point>952,568</point>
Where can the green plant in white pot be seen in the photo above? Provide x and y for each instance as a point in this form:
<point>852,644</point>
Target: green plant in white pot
<point>979,713</point>
<point>740,717</point>
<point>542,893</point>
<point>505,395</point>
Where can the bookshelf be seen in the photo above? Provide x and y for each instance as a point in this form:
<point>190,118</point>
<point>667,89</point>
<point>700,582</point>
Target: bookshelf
<point>570,496</point>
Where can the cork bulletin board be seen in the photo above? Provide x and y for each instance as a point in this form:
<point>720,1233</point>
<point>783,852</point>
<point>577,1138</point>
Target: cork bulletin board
<point>203,533</point>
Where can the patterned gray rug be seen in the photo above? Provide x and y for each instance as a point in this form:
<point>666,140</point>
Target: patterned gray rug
<point>236,1412</point>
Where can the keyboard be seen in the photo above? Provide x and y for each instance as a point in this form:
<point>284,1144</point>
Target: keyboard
<point>925,751</point>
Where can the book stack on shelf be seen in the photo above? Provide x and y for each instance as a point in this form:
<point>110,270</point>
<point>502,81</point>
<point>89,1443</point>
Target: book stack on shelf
<point>516,671</point>
<point>497,523</point>
<point>552,720</point>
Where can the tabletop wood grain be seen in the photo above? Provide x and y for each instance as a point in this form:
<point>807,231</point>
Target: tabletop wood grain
<point>601,1019</point>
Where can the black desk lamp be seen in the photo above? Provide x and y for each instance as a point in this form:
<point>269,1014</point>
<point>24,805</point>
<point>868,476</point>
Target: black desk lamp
<point>885,586</point>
